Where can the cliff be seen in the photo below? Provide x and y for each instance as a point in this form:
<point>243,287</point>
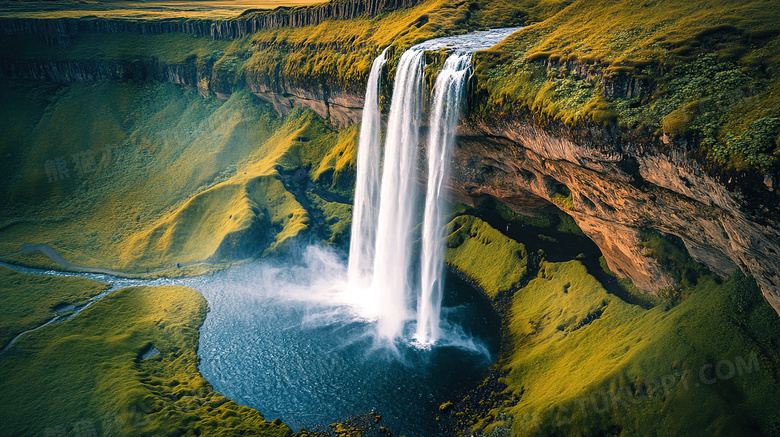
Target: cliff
<point>59,31</point>
<point>75,71</point>
<point>252,21</point>
<point>614,187</point>
<point>341,108</point>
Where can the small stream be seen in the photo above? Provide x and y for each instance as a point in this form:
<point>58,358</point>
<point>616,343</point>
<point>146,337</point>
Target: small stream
<point>279,339</point>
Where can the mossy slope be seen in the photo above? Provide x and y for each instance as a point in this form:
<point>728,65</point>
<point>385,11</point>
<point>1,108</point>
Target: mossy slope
<point>581,361</point>
<point>585,362</point>
<point>496,262</point>
<point>576,345</point>
<point>700,70</point>
<point>27,301</point>
<point>341,52</point>
<point>87,375</point>
<point>155,175</point>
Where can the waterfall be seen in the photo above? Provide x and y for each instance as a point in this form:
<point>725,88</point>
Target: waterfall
<point>448,92</point>
<point>366,204</point>
<point>380,260</point>
<point>391,282</point>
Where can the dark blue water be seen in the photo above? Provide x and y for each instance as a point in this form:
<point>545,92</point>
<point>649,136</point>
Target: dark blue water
<point>285,352</point>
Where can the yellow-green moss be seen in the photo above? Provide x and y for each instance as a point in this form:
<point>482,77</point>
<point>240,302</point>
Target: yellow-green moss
<point>177,178</point>
<point>572,343</point>
<point>496,262</point>
<point>87,373</point>
<point>27,301</point>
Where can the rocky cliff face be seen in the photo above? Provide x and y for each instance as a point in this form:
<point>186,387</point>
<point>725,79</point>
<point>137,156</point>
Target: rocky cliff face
<point>341,108</point>
<point>615,83</point>
<point>254,20</point>
<point>618,187</point>
<point>59,31</point>
<point>190,74</point>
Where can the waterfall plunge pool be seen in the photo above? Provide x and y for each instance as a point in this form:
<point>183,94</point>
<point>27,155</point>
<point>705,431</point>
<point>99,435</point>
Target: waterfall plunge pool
<point>278,338</point>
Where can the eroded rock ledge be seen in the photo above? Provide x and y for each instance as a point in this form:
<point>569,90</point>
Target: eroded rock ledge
<point>618,188</point>
<point>340,107</point>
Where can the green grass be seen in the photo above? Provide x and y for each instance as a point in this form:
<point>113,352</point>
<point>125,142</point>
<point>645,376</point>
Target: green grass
<point>707,68</point>
<point>573,343</point>
<point>176,178</point>
<point>86,375</point>
<point>27,301</point>
<point>495,262</point>
<point>341,52</point>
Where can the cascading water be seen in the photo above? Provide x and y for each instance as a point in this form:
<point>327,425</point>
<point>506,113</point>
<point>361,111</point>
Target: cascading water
<point>386,264</point>
<point>448,93</point>
<point>366,205</point>
<point>391,281</point>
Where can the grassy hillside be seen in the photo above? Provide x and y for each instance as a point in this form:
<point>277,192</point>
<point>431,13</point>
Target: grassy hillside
<point>341,52</point>
<point>27,301</point>
<point>136,176</point>
<point>579,360</point>
<point>497,263</point>
<point>87,375</point>
<point>704,71</point>
<point>675,371</point>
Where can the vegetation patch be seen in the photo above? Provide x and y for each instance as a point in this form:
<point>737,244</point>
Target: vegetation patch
<point>91,373</point>
<point>28,301</point>
<point>705,73</point>
<point>149,175</point>
<point>496,262</point>
<point>634,370</point>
